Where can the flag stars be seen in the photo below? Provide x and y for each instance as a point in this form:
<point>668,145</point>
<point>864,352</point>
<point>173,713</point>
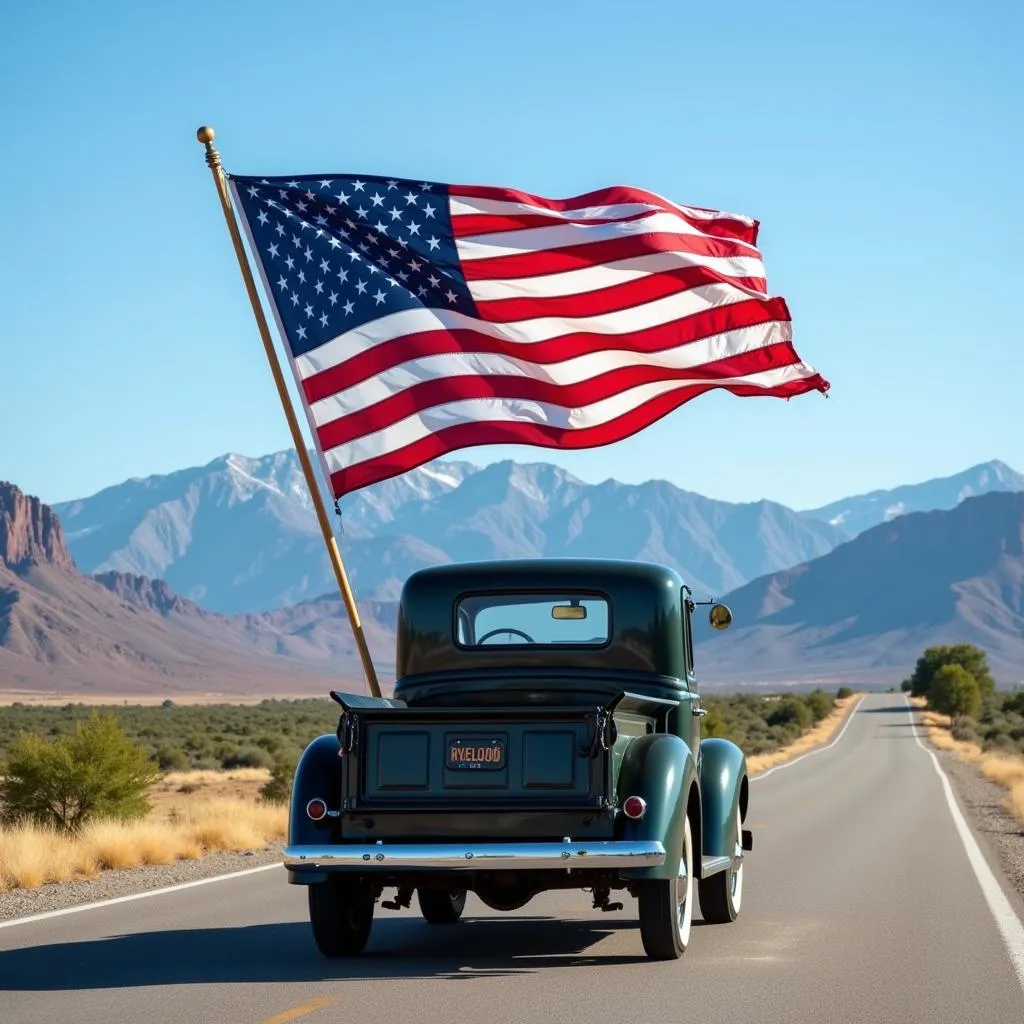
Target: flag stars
<point>428,210</point>
<point>361,287</point>
<point>325,183</point>
<point>323,319</point>
<point>380,296</point>
<point>450,295</point>
<point>333,298</point>
<point>309,310</point>
<point>414,229</point>
<point>263,218</point>
<point>411,198</point>
<point>319,286</point>
<point>272,249</point>
<point>434,242</point>
<point>377,199</point>
<point>348,307</point>
<point>325,266</point>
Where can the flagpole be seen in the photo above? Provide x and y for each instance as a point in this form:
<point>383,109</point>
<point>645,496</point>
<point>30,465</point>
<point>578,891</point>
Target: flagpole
<point>206,136</point>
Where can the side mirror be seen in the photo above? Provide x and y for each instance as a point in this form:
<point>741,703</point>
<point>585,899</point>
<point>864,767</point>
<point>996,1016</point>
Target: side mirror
<point>720,617</point>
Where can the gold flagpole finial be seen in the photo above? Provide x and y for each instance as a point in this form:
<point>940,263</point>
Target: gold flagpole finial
<point>205,134</point>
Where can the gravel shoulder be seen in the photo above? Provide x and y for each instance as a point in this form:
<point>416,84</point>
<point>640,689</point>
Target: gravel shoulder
<point>110,884</point>
<point>984,803</point>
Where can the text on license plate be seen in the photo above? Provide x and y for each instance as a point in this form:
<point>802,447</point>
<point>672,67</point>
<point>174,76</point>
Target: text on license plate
<point>476,752</point>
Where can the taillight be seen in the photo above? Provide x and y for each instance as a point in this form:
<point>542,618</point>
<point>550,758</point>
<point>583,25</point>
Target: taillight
<point>316,809</point>
<point>634,807</point>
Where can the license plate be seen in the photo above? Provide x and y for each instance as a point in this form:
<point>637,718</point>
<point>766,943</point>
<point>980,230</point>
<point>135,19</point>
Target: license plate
<point>476,753</point>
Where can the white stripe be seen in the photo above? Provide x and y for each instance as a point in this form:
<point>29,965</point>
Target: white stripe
<point>1011,929</point>
<point>558,236</point>
<point>589,279</point>
<point>526,332</point>
<point>811,753</point>
<point>494,410</point>
<point>136,896</point>
<point>463,205</point>
<point>569,371</point>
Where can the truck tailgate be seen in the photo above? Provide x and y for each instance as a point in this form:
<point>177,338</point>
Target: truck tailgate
<point>474,758</point>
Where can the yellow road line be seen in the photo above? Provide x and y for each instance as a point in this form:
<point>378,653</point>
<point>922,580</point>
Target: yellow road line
<point>299,1011</point>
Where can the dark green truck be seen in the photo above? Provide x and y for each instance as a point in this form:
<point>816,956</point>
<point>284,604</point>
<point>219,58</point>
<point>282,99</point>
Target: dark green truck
<point>544,734</point>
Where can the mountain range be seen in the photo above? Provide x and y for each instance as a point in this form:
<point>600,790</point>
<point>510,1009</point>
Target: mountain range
<point>861,610</point>
<point>240,535</point>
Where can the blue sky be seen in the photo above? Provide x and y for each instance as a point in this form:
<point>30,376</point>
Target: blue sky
<point>878,143</point>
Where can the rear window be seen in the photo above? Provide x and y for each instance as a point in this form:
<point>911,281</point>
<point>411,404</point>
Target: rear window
<point>533,620</point>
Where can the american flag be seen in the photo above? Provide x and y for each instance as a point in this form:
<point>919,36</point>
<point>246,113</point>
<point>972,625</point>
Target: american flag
<point>421,318</point>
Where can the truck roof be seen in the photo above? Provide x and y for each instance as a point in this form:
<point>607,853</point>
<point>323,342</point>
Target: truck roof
<point>646,627</point>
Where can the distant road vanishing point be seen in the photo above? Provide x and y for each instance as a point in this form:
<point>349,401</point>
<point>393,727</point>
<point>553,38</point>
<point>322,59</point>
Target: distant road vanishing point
<point>867,899</point>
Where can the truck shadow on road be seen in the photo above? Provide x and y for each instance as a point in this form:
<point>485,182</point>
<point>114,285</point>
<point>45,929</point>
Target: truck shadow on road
<point>398,948</point>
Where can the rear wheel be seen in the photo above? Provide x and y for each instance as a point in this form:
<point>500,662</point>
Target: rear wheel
<point>441,906</point>
<point>721,895</point>
<point>666,907</point>
<point>341,913</point>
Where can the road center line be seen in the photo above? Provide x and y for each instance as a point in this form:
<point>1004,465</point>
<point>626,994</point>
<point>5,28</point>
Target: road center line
<point>299,1011</point>
<point>816,750</point>
<point>1010,927</point>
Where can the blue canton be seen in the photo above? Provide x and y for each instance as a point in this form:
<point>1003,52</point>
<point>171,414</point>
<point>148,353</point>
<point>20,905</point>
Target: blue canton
<point>338,252</point>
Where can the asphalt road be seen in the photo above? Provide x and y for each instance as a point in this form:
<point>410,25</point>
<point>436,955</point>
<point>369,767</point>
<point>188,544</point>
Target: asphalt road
<point>861,904</point>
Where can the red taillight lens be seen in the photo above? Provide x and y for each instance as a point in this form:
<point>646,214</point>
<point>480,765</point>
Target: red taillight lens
<point>634,807</point>
<point>316,809</point>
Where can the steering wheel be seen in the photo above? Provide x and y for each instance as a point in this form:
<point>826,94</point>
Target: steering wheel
<point>507,629</point>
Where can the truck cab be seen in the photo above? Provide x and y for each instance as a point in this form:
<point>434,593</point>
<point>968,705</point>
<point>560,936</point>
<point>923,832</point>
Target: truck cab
<point>543,733</point>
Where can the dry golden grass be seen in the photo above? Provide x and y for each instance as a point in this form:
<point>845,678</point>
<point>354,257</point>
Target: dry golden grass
<point>1007,770</point>
<point>179,790</point>
<point>820,734</point>
<point>31,856</point>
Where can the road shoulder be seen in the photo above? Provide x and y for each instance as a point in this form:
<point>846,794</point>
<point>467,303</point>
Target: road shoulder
<point>114,884</point>
<point>999,833</point>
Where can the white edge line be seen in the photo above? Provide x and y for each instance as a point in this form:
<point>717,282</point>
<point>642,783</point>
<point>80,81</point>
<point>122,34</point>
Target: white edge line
<point>817,750</point>
<point>137,896</point>
<point>1009,924</point>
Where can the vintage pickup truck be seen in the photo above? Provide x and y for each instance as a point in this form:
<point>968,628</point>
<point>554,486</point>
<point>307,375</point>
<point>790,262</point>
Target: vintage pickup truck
<point>544,734</point>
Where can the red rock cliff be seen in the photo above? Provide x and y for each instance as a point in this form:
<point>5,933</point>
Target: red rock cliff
<point>30,532</point>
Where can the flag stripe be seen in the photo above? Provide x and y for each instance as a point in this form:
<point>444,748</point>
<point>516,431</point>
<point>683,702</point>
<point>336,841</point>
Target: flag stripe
<point>742,271</point>
<point>621,327</point>
<point>569,235</point>
<point>588,254</point>
<point>434,434</point>
<point>405,346</point>
<point>710,221</point>
<point>610,299</point>
<point>386,400</point>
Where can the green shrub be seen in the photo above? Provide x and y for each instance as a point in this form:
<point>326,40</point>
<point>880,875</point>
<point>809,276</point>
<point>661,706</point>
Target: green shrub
<point>955,692</point>
<point>843,692</point>
<point>279,789</point>
<point>820,704</point>
<point>95,772</point>
<point>970,658</point>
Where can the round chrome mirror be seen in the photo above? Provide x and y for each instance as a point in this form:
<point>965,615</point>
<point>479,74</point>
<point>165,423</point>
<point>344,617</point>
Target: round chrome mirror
<point>720,617</point>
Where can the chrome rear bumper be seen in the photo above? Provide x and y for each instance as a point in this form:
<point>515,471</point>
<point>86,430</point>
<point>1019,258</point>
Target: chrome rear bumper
<point>475,856</point>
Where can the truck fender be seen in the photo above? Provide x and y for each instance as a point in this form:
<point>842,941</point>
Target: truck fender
<point>318,774</point>
<point>723,786</point>
<point>658,767</point>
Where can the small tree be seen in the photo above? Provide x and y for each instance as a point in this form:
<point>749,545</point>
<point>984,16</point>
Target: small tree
<point>843,692</point>
<point>955,692</point>
<point>819,703</point>
<point>279,789</point>
<point>972,659</point>
<point>95,772</point>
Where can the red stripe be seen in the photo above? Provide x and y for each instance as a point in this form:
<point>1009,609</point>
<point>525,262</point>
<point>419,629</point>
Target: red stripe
<point>722,225</point>
<point>613,298</point>
<point>442,390</point>
<point>467,225</point>
<point>472,435</point>
<point>405,348</point>
<point>591,254</point>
